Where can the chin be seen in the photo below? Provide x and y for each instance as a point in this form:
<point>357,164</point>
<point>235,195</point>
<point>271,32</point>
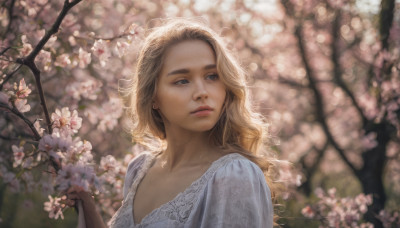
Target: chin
<point>205,128</point>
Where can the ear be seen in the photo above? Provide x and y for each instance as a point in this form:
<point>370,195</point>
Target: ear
<point>155,106</point>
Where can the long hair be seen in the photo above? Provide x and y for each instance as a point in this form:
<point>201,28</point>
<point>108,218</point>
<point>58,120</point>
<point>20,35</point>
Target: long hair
<point>239,128</point>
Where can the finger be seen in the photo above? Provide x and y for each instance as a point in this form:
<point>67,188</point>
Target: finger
<point>73,196</point>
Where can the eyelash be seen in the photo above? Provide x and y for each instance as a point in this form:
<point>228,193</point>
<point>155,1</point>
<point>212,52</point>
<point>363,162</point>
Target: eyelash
<point>214,78</point>
<point>179,82</point>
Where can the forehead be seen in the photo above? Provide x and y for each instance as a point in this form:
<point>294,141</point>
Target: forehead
<point>188,54</point>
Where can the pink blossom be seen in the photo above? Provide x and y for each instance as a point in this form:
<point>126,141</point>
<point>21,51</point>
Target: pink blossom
<point>79,176</point>
<point>107,115</point>
<point>121,48</point>
<point>79,151</point>
<point>38,128</point>
<point>65,121</point>
<point>101,50</point>
<point>84,58</point>
<point>389,219</point>
<point>23,90</point>
<point>21,105</point>
<point>26,47</point>
<point>18,155</point>
<point>48,143</point>
<point>43,60</point>
<point>108,163</point>
<point>135,29</point>
<point>308,212</point>
<point>84,89</point>
<point>53,206</point>
<point>51,42</point>
<point>62,60</point>
<point>362,201</point>
<point>29,163</point>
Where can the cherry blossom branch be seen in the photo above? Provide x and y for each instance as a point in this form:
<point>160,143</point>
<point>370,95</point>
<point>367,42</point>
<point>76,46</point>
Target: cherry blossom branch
<point>337,68</point>
<point>26,120</point>
<point>319,104</point>
<point>53,30</point>
<point>257,51</point>
<point>30,59</point>
<point>5,50</point>
<point>100,38</point>
<point>8,76</point>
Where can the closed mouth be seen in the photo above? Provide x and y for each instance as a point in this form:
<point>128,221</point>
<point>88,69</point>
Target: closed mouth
<point>202,108</point>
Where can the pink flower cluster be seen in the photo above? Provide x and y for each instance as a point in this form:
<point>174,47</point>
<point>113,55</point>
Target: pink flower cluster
<point>389,219</point>
<point>334,211</point>
<point>21,94</point>
<point>65,122</point>
<point>105,117</point>
<point>54,207</point>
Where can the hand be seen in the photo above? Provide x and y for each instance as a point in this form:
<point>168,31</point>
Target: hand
<point>76,193</point>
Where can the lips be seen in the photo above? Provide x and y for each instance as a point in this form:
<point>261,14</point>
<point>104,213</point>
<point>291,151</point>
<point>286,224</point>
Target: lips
<point>202,108</point>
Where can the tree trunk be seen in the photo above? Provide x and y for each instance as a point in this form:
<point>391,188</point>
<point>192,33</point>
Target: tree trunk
<point>371,174</point>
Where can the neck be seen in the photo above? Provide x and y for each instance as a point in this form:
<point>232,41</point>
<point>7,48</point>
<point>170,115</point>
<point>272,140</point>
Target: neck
<point>187,148</point>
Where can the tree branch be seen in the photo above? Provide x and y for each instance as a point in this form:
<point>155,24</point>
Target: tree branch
<point>5,50</point>
<point>319,104</point>
<point>9,76</point>
<point>53,30</point>
<point>337,68</point>
<point>30,59</point>
<point>26,120</point>
<point>385,21</point>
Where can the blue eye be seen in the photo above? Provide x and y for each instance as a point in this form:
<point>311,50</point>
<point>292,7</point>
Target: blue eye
<point>213,77</point>
<point>181,82</point>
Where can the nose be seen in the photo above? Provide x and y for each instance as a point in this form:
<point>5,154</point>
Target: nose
<point>200,91</point>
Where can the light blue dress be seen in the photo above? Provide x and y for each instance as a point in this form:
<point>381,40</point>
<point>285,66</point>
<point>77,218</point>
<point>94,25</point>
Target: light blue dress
<point>231,193</point>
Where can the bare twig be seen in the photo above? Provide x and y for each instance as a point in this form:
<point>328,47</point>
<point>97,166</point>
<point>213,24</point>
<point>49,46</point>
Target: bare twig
<point>101,38</point>
<point>9,76</point>
<point>5,50</point>
<point>26,120</point>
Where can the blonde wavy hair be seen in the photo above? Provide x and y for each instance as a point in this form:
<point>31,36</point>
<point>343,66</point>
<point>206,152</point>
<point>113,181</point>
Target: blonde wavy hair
<point>239,129</point>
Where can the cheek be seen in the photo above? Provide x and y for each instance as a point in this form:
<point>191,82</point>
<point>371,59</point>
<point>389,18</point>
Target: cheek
<point>168,101</point>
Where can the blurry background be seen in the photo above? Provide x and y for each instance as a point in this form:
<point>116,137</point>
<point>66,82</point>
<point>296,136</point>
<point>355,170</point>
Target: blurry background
<point>324,73</point>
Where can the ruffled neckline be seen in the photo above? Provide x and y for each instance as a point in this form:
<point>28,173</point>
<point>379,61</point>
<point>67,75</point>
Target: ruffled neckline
<point>180,206</point>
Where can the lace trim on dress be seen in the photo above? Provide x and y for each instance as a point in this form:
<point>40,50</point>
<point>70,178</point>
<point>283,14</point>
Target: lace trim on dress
<point>179,208</point>
<point>123,217</point>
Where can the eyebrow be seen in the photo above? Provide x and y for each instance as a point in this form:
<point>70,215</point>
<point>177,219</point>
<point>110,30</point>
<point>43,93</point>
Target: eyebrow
<point>185,71</point>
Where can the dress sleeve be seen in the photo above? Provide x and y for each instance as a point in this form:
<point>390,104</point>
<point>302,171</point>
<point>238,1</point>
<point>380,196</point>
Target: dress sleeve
<point>131,172</point>
<point>238,196</point>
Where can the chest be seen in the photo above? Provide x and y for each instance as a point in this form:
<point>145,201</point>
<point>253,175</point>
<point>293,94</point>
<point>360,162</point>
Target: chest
<point>158,188</point>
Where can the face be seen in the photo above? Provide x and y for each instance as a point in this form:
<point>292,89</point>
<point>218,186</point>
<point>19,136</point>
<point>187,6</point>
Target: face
<point>189,93</point>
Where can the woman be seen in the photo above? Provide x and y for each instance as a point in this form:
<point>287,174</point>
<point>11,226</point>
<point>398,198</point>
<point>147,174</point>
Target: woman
<point>190,94</point>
